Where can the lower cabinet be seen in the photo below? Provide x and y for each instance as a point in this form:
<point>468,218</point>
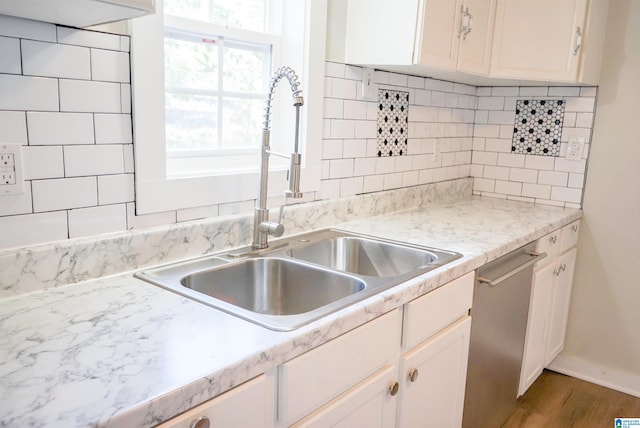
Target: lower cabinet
<point>549,305</point>
<point>433,378</point>
<point>230,408</point>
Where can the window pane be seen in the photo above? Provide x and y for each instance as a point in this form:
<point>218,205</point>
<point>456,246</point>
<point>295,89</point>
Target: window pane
<point>245,68</point>
<point>191,122</point>
<point>242,118</point>
<point>245,14</point>
<point>190,63</point>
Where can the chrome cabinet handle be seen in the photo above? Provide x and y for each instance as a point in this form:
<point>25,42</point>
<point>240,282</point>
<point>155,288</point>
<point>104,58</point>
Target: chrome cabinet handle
<point>493,282</point>
<point>413,375</point>
<point>560,269</point>
<point>201,422</point>
<point>578,41</point>
<point>393,388</point>
<point>466,24</point>
<point>574,228</point>
<point>553,239</point>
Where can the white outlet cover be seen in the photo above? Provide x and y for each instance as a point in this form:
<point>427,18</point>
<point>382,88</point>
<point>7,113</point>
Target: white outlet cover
<point>18,187</point>
<point>575,148</point>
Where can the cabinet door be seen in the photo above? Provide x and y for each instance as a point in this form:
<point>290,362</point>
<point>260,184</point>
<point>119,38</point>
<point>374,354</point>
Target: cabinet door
<point>435,396</point>
<point>474,54</point>
<point>537,39</point>
<point>248,405</point>
<point>534,356</point>
<point>370,404</point>
<point>560,301</point>
<point>437,36</point>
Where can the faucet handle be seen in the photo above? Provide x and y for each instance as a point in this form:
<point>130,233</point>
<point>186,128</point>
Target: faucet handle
<point>272,228</point>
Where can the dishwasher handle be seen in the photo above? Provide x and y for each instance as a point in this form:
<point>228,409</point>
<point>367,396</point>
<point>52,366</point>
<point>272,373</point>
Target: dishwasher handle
<point>493,282</point>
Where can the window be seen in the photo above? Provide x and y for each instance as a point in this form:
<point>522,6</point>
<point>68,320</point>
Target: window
<point>201,69</point>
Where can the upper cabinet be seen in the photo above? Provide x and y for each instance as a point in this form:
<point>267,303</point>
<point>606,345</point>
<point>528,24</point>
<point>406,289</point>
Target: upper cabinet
<point>549,40</point>
<point>518,40</point>
<point>77,13</point>
<point>444,34</point>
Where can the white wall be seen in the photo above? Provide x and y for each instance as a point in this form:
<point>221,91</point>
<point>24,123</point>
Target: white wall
<point>604,320</point>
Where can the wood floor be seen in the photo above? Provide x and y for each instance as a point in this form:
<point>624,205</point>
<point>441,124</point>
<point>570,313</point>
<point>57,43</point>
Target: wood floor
<point>556,400</point>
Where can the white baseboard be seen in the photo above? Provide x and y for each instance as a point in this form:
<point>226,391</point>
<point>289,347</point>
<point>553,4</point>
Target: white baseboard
<point>594,373</point>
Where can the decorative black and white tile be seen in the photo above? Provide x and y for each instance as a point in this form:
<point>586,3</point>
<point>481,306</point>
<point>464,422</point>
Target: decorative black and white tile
<point>393,120</point>
<point>538,127</point>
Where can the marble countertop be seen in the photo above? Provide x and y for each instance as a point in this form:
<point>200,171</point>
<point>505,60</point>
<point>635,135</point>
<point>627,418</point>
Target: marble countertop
<point>119,352</point>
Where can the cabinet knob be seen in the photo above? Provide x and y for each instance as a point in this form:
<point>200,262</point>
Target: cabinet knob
<point>413,375</point>
<point>201,422</point>
<point>393,388</point>
<point>574,227</point>
<point>553,239</point>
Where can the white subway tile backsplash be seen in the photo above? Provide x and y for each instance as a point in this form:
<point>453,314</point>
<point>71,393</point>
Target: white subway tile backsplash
<point>508,188</point>
<point>397,79</point>
<point>92,39</point>
<point>352,72</point>
<point>484,91</point>
<point>148,220</point>
<point>116,189</point>
<point>385,165</point>
<point>490,103</point>
<point>497,145</point>
<point>97,220</point>
<point>568,165</point>
<point>332,149</point>
<point>415,82</point>
<point>110,66</point>
<point>13,127</point>
<point>553,178</point>
<point>584,120</point>
<point>334,69</point>
<point>125,43</point>
<point>60,128</point>
<point>43,162</point>
<point>333,108</point>
<point>523,175</point>
<point>496,172</point>
<point>392,181</point>
<point>588,91</point>
<point>485,158</point>
<point>533,91</point>
<point>539,162</point>
<point>365,129</point>
<point>10,58</point>
<point>355,110</point>
<point>342,88</point>
<point>505,91</point>
<point>351,186</point>
<point>341,168</point>
<point>566,194</point>
<point>125,98</point>
<point>576,180</point>
<point>113,128</point>
<point>128,158</point>
<point>22,230</point>
<point>64,193</point>
<point>28,93</point>
<point>581,104</point>
<point>54,60</point>
<point>89,96</point>
<point>438,99</point>
<point>342,128</point>
<point>27,29</point>
<point>487,131</point>
<point>502,117</point>
<point>564,91</point>
<point>93,160</point>
<point>354,148</point>
<point>484,184</point>
<point>364,166</point>
<point>330,189</point>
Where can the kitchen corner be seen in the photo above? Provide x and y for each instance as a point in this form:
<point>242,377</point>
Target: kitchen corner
<point>127,353</point>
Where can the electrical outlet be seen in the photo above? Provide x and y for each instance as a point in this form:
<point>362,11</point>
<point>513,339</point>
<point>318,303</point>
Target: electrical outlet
<point>11,182</point>
<point>7,177</point>
<point>369,88</point>
<point>575,148</point>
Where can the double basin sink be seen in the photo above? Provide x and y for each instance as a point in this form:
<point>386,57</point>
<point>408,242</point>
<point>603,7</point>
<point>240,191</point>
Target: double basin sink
<point>298,279</point>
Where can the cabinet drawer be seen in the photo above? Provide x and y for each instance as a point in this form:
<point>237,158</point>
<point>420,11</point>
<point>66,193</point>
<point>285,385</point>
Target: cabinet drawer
<point>549,244</point>
<point>427,315</point>
<point>314,378</point>
<point>570,236</point>
<point>247,405</point>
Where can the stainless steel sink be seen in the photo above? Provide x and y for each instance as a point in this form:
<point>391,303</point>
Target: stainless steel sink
<point>299,279</point>
<point>273,286</point>
<point>365,256</point>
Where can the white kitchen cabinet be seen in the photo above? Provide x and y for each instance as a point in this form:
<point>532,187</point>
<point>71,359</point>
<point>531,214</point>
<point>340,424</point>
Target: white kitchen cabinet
<point>433,378</point>
<point>443,34</point>
<point>320,375</point>
<point>370,404</point>
<point>77,13</point>
<point>549,40</point>
<point>549,304</point>
<point>230,409</point>
<point>354,380</point>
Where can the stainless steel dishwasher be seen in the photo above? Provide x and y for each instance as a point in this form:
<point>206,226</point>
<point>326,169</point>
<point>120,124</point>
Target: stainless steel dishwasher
<point>499,322</point>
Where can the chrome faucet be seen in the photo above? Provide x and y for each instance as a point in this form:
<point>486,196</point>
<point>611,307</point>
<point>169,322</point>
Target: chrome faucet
<point>262,227</point>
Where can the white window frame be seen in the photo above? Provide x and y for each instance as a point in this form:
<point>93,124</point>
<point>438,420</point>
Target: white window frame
<point>155,192</point>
